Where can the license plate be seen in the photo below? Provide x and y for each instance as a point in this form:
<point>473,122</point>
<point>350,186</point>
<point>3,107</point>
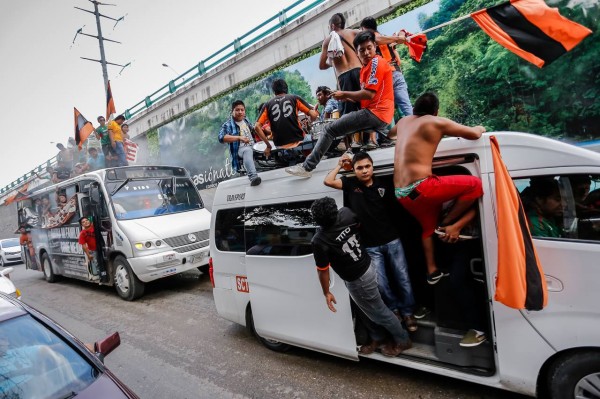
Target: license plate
<point>196,258</point>
<point>168,257</point>
<point>241,283</point>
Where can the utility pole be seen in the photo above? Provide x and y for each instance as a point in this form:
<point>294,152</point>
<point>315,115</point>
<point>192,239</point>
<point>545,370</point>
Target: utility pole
<point>101,39</point>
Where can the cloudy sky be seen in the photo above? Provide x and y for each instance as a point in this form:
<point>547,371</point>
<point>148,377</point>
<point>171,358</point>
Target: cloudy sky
<point>42,76</point>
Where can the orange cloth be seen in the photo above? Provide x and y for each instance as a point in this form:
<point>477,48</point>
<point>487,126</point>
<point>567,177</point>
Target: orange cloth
<point>377,77</point>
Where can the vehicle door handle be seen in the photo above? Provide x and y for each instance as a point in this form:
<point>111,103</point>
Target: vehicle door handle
<point>554,284</point>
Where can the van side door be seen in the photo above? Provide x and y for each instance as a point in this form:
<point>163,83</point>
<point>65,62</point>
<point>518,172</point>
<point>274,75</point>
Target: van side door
<point>285,294</point>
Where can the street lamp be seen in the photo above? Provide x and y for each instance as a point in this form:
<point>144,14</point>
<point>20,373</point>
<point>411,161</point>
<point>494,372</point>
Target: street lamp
<point>171,68</point>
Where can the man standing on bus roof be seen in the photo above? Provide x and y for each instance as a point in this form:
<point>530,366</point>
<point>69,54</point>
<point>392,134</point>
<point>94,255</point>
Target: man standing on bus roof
<point>376,98</point>
<point>87,239</point>
<point>116,135</point>
<point>416,187</point>
<point>237,131</point>
<point>373,202</point>
<point>282,114</point>
<point>337,244</point>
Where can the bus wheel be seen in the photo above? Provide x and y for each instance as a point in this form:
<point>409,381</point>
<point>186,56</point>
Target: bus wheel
<point>204,268</point>
<point>269,343</point>
<point>576,376</point>
<point>128,286</point>
<point>47,267</point>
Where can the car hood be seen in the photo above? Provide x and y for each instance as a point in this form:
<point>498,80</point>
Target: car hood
<point>166,226</point>
<point>106,387</point>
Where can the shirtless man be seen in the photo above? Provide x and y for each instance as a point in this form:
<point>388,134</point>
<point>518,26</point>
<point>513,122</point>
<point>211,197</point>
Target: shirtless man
<point>347,67</point>
<point>420,191</point>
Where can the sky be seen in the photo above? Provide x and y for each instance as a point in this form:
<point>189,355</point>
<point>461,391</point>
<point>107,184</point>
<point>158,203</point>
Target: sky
<point>42,76</point>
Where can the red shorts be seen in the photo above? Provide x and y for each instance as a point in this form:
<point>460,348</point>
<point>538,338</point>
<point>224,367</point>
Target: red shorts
<point>430,195</point>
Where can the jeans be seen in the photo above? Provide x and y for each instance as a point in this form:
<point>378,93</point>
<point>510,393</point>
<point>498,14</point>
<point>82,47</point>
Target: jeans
<point>401,98</point>
<point>122,157</point>
<point>358,121</point>
<point>388,259</point>
<point>366,295</point>
<point>246,153</point>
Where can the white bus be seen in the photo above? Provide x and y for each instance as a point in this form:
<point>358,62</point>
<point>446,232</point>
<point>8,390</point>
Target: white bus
<point>264,275</point>
<point>150,220</point>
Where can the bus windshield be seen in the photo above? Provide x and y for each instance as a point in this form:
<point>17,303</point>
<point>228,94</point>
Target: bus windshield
<point>139,198</point>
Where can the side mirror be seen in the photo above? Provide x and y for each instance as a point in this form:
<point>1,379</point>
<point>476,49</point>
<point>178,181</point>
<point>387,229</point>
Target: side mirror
<point>107,345</point>
<point>6,271</point>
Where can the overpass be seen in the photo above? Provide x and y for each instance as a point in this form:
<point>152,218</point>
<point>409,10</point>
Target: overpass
<point>292,34</point>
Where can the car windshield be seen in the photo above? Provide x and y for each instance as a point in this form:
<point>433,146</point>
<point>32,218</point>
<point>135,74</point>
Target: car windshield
<point>35,363</point>
<point>11,242</point>
<point>133,199</point>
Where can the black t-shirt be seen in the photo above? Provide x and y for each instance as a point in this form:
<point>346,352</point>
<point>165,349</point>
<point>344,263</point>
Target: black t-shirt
<point>339,246</point>
<point>375,207</point>
<point>282,113</point>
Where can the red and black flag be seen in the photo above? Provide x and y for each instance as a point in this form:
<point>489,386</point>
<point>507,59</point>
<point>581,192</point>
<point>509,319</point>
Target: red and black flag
<point>520,282</point>
<point>83,128</point>
<point>531,29</point>
<point>417,44</point>
<point>110,103</point>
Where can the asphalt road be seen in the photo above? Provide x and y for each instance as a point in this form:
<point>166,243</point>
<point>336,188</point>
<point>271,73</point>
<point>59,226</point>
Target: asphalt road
<point>174,345</point>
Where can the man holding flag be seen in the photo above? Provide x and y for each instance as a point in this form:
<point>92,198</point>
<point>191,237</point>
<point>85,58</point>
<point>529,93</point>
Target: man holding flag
<point>116,140</point>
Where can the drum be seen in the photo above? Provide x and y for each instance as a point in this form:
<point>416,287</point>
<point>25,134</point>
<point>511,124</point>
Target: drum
<point>318,128</point>
<point>261,146</point>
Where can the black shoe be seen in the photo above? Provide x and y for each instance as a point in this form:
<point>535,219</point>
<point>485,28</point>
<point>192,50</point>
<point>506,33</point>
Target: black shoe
<point>256,181</point>
<point>435,277</point>
<point>421,312</point>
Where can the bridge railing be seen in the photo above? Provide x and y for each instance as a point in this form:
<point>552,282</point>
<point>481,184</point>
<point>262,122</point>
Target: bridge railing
<point>241,43</point>
<point>277,21</point>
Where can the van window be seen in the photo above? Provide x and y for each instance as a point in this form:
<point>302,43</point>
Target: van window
<point>229,230</point>
<point>562,206</point>
<point>284,229</point>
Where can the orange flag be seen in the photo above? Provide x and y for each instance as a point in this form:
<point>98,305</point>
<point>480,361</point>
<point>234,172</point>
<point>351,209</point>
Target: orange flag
<point>520,283</point>
<point>531,30</point>
<point>83,128</point>
<point>110,103</point>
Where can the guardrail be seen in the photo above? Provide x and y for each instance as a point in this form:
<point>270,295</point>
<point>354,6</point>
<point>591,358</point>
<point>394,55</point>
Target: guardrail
<point>241,43</point>
<point>277,21</point>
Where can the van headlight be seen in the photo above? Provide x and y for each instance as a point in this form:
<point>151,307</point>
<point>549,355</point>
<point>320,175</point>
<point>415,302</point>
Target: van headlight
<point>148,245</point>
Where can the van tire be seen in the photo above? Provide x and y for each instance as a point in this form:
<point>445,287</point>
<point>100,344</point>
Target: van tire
<point>271,344</point>
<point>47,267</point>
<point>127,285</point>
<point>204,269</point>
<point>568,373</point>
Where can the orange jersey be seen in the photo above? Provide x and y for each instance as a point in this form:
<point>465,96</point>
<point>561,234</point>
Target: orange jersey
<point>377,77</point>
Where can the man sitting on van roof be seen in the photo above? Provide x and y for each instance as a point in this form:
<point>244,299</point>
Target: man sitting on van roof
<point>420,191</point>
<point>337,244</point>
<point>376,98</point>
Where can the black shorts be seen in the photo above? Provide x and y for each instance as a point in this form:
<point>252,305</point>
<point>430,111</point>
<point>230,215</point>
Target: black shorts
<point>349,81</point>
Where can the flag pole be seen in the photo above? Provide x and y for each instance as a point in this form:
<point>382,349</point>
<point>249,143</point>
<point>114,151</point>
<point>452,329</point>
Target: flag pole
<point>445,24</point>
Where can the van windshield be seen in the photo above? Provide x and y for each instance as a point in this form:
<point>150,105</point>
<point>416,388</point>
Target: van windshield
<point>139,198</point>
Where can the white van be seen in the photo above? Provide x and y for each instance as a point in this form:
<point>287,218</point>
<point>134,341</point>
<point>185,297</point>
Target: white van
<point>265,278</point>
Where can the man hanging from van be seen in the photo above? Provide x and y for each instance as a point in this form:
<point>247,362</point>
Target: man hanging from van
<point>373,202</point>
<point>376,98</point>
<point>416,187</point>
<point>237,131</point>
<point>87,240</point>
<point>337,244</point>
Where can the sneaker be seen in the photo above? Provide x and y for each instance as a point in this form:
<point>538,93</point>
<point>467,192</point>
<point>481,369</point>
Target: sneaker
<point>256,181</point>
<point>298,170</point>
<point>393,349</point>
<point>369,348</point>
<point>435,277</point>
<point>472,338</point>
<point>355,144</point>
<point>422,312</point>
<point>411,323</point>
<point>370,146</point>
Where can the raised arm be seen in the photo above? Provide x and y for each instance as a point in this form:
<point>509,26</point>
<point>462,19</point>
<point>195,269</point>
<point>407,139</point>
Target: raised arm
<point>323,59</point>
<point>331,179</point>
<point>454,129</point>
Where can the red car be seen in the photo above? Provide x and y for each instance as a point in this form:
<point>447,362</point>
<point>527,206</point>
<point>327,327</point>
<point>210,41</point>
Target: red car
<point>39,359</point>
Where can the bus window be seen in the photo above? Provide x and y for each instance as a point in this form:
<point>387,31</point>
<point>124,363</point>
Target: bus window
<point>284,229</point>
<point>229,230</point>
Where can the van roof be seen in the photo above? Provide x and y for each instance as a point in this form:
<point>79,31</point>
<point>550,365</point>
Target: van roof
<point>520,151</point>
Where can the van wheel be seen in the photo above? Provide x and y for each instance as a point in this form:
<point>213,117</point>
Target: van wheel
<point>128,286</point>
<point>576,376</point>
<point>47,267</point>
<point>203,269</point>
<point>269,343</point>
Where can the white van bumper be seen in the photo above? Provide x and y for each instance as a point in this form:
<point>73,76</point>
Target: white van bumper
<point>152,267</point>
